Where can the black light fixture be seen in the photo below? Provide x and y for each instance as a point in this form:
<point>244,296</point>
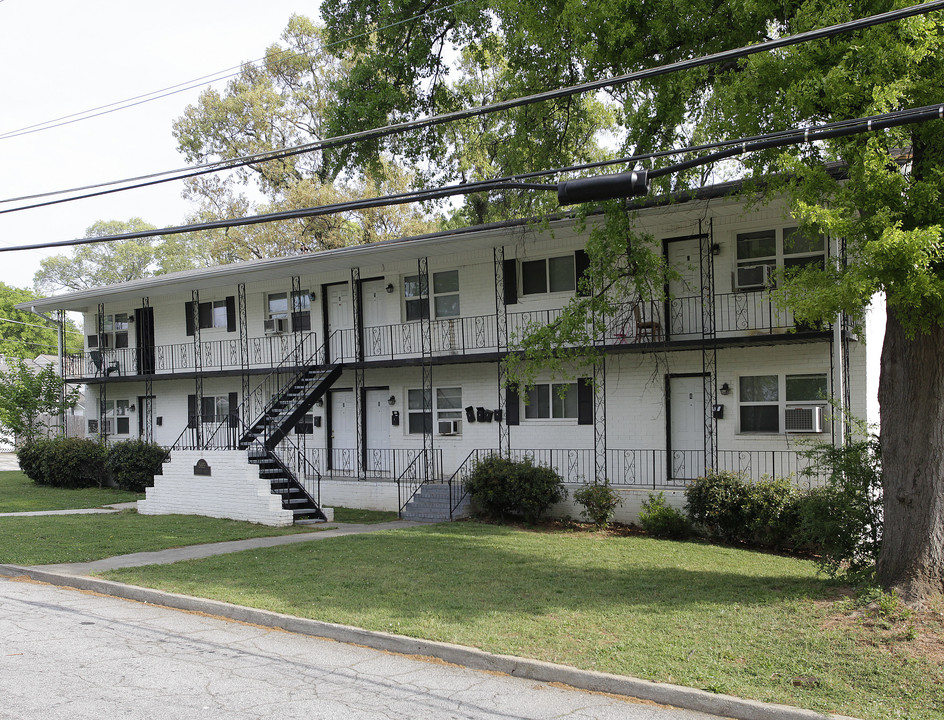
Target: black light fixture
<point>725,389</point>
<point>312,295</point>
<point>389,288</point>
<point>392,400</point>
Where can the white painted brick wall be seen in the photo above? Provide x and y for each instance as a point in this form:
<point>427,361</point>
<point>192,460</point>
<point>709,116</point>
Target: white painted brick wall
<point>234,490</point>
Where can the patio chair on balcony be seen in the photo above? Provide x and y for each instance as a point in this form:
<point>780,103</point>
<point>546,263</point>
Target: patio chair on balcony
<point>99,362</point>
<point>652,328</point>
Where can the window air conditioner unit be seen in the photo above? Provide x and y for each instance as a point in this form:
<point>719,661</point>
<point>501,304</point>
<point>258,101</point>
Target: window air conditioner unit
<point>275,325</point>
<point>753,277</point>
<point>448,427</point>
<point>804,419</point>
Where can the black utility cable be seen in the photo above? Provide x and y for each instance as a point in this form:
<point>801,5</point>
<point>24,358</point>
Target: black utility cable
<point>625,185</point>
<point>377,133</point>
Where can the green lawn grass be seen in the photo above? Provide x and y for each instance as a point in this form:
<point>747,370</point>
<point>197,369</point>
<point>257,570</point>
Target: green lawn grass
<point>723,619</point>
<point>364,517</point>
<point>20,494</point>
<point>49,539</point>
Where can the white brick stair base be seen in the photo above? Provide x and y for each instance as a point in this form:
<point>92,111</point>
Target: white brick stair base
<point>232,490</point>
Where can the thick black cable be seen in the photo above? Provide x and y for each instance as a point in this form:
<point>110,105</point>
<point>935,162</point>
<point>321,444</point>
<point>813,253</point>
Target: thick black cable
<point>385,131</point>
<point>796,136</point>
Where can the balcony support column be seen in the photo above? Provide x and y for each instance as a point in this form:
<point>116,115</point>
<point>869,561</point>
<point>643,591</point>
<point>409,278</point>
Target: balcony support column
<point>243,326</point>
<point>147,407</point>
<point>102,392</point>
<point>501,333</point>
<point>198,369</point>
<point>422,268</point>
<point>709,346</point>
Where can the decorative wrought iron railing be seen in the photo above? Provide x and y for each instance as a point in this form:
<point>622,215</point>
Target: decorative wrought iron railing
<point>269,351</point>
<point>422,469</point>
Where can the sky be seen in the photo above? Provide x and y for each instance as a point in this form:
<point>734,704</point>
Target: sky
<point>60,57</point>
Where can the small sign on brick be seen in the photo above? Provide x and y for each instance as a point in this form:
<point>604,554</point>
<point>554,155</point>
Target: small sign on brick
<point>201,468</point>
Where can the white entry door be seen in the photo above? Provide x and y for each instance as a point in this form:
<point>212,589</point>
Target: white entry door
<point>686,427</point>
<point>685,306</point>
<point>340,322</point>
<point>343,432</point>
<point>377,417</point>
<point>377,331</point>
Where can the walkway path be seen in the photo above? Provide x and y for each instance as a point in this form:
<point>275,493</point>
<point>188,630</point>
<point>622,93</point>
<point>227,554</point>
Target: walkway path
<point>194,552</point>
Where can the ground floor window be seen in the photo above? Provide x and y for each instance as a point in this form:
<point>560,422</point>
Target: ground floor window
<point>116,420</point>
<point>447,410</point>
<point>551,400</point>
<point>771,403</point>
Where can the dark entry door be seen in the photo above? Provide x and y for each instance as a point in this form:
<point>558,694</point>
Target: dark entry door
<point>144,339</point>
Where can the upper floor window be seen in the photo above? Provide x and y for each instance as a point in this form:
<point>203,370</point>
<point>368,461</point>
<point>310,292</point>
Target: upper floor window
<point>761,252</point>
<point>556,274</point>
<point>213,314</point>
<point>114,332</point>
<point>445,296</point>
<point>277,311</point>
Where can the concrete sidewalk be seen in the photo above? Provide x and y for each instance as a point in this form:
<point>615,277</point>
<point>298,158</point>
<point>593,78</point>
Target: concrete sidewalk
<point>104,509</point>
<point>195,552</point>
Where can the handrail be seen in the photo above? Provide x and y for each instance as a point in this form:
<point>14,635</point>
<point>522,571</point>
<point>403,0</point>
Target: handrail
<point>403,503</point>
<point>454,503</point>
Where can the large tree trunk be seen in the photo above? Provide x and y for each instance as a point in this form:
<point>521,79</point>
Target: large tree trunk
<point>911,396</point>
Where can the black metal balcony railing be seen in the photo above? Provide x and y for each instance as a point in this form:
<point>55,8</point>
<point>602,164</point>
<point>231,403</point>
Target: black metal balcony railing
<point>681,318</point>
<point>269,351</point>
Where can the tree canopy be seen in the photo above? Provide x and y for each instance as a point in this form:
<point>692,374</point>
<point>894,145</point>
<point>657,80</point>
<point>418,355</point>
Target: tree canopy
<point>30,397</point>
<point>282,103</point>
<point>98,264</point>
<point>24,335</point>
<point>886,206</point>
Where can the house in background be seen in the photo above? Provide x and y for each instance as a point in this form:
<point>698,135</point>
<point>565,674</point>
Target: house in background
<point>371,376</point>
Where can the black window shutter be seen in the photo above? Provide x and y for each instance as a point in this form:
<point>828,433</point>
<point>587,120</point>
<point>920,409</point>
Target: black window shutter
<point>191,411</point>
<point>188,312</point>
<point>510,275</point>
<point>512,407</point>
<point>233,409</point>
<point>584,401</point>
<point>206,315</point>
<point>230,313</point>
<point>581,265</point>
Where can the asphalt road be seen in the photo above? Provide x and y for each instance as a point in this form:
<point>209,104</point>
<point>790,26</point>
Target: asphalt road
<point>72,654</point>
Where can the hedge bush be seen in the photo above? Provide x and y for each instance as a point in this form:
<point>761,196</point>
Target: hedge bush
<point>503,488</point>
<point>132,464</point>
<point>64,462</point>
<point>764,513</point>
<point>661,520</point>
<point>599,503</point>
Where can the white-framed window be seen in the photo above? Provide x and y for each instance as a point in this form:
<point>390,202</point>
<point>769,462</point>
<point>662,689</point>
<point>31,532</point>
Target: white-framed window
<point>548,275</point>
<point>115,332</point>
<point>447,408</point>
<point>117,419</point>
<point>761,252</point>
<point>445,297</point>
<point>212,315</point>
<point>763,399</point>
<point>305,425</point>
<point>551,401</point>
<point>214,408</point>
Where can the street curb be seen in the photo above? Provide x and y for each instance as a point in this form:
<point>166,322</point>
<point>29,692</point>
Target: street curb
<point>662,693</point>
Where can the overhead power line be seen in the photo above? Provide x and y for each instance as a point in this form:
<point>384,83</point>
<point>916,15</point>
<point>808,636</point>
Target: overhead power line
<point>435,120</point>
<point>229,72</point>
<point>795,136</point>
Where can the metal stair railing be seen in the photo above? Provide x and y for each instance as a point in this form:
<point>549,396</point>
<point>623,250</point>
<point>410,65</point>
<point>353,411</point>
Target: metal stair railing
<point>456,481</point>
<point>420,471</point>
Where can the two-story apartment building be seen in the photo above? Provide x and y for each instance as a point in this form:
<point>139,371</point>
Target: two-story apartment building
<point>365,372</point>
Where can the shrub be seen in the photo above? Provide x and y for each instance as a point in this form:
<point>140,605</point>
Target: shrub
<point>132,464</point>
<point>661,520</point>
<point>842,521</point>
<point>728,507</point>
<point>716,502</point>
<point>65,462</point>
<point>599,503</point>
<point>502,488</point>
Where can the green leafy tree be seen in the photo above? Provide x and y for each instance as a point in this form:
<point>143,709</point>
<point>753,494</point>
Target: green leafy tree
<point>281,103</point>
<point>27,394</point>
<point>25,335</point>
<point>887,207</point>
<point>98,264</point>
